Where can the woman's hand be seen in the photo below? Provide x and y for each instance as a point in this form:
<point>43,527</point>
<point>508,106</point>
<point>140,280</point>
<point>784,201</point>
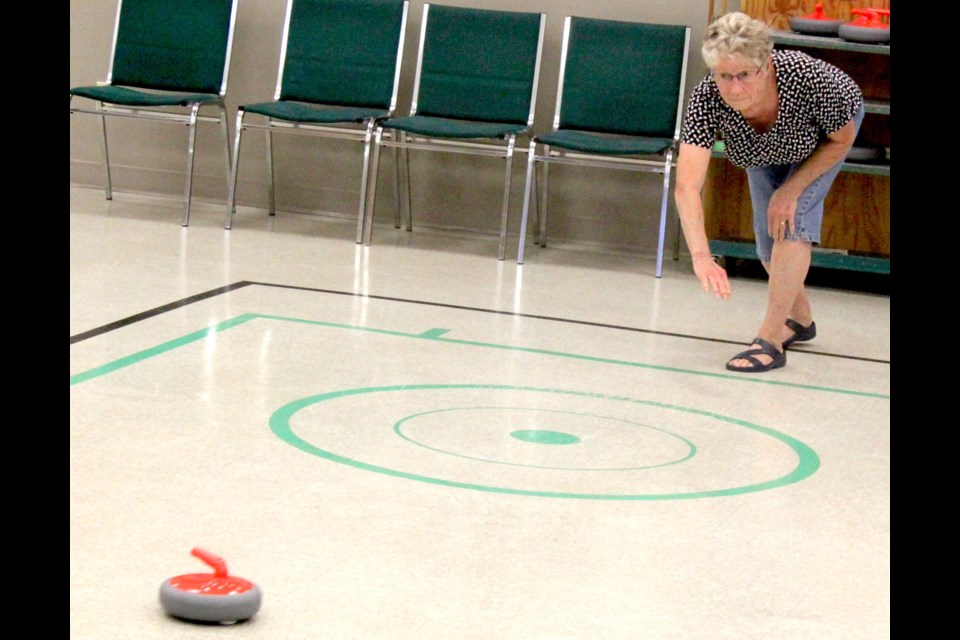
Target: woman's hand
<point>780,213</point>
<point>783,202</point>
<point>712,276</point>
<point>692,166</point>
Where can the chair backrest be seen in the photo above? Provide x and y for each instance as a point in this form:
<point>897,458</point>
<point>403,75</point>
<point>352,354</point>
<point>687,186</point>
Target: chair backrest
<point>622,77</point>
<point>342,52</point>
<point>173,45</point>
<point>478,64</point>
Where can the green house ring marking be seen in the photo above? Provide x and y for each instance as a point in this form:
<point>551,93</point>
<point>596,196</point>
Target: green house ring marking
<point>807,464</point>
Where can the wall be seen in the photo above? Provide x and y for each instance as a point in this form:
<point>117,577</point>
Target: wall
<point>590,207</point>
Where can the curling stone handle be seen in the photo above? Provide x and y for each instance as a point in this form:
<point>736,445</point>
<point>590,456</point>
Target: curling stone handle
<point>870,13</point>
<point>217,563</point>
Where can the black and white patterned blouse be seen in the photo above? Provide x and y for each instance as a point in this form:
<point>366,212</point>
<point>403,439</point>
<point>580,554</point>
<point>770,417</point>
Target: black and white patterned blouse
<point>816,98</point>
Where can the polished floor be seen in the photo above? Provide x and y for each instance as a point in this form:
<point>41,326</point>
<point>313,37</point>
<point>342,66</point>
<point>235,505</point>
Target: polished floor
<point>415,440</point>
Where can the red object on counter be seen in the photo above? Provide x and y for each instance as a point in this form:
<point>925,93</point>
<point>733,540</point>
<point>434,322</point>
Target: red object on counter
<point>817,13</point>
<point>869,18</point>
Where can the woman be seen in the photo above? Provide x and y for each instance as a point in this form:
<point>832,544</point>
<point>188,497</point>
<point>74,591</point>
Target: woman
<point>790,120</point>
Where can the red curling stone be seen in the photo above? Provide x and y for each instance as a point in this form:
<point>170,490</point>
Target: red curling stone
<point>210,597</point>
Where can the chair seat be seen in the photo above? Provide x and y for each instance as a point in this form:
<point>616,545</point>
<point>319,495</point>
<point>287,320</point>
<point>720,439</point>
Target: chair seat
<point>605,144</point>
<point>136,98</point>
<point>308,113</point>
<point>450,128</point>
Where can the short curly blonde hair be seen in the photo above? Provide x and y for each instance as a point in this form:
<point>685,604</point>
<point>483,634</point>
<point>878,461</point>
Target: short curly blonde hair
<point>737,34</point>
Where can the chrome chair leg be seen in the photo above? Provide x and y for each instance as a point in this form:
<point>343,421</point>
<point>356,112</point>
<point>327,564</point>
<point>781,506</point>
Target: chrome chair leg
<point>232,192</point>
<point>192,136</point>
<point>108,185</point>
<point>529,187</point>
<point>365,177</point>
<point>226,140</point>
<point>396,183</point>
<point>663,213</point>
<point>367,227</point>
<point>271,187</point>
<point>505,213</point>
<point>405,197</point>
<point>542,210</point>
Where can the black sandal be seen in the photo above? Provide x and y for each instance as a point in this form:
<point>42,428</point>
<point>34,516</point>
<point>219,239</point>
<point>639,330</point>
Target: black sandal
<point>800,332</point>
<point>778,358</point>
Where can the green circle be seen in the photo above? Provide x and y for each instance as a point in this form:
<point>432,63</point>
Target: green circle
<point>398,428</point>
<point>543,436</point>
<point>807,465</point>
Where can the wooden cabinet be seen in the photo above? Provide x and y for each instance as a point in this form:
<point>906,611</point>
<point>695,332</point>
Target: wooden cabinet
<point>856,223</point>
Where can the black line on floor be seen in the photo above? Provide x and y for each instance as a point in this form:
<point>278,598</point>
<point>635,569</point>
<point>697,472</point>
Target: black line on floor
<point>155,312</point>
<point>245,283</point>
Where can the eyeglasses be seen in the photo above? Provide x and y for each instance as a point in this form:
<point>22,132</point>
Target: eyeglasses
<point>744,77</point>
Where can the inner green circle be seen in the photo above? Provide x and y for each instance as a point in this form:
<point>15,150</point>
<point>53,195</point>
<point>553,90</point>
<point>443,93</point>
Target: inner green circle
<point>543,436</point>
<point>399,429</point>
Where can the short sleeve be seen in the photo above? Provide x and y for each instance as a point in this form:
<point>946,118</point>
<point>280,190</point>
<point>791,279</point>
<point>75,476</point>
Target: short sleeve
<point>700,119</point>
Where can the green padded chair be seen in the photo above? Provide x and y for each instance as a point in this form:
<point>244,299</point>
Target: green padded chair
<point>619,106</point>
<point>339,74</point>
<point>170,58</point>
<point>474,92</point>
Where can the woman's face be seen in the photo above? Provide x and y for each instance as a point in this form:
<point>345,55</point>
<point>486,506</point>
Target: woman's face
<point>742,83</point>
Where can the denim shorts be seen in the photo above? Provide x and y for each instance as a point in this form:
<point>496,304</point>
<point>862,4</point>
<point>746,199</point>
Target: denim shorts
<point>809,215</point>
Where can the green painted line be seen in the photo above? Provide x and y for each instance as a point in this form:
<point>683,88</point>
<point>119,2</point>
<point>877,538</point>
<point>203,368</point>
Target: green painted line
<point>561,354</point>
<point>435,334</point>
<point>643,365</point>
<point>159,349</point>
